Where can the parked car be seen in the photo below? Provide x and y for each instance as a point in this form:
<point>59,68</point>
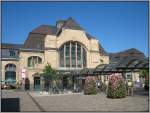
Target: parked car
<point>5,85</point>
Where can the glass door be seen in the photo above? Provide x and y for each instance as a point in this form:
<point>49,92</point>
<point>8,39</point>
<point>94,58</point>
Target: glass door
<point>36,83</point>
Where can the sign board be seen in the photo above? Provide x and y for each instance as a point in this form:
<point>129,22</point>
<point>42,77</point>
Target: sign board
<point>23,73</point>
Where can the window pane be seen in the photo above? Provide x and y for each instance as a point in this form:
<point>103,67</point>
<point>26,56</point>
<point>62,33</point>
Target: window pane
<point>10,75</point>
<point>67,62</point>
<point>29,62</point>
<point>39,60</point>
<point>75,52</point>
<point>62,57</point>
<point>10,67</point>
<point>67,55</point>
<point>79,55</point>
<point>34,60</point>
<point>84,58</point>
<point>73,55</point>
<point>67,50</point>
<point>12,53</point>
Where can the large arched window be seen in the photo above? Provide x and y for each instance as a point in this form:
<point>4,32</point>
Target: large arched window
<point>73,54</point>
<point>34,60</point>
<point>10,72</point>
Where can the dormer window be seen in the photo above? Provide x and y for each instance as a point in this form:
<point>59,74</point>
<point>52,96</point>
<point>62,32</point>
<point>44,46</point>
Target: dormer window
<point>12,53</point>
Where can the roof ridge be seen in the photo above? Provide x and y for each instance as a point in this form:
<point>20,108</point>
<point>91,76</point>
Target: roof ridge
<point>75,24</point>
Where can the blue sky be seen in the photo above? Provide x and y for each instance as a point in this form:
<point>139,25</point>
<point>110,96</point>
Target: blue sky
<point>117,25</point>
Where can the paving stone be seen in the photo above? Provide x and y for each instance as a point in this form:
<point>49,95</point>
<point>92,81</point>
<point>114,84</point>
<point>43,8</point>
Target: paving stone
<point>33,101</point>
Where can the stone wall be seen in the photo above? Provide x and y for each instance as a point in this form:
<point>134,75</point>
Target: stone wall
<point>53,43</point>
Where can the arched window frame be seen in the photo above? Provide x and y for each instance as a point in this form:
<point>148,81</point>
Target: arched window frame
<point>10,67</point>
<point>33,60</point>
<point>10,71</point>
<point>75,58</point>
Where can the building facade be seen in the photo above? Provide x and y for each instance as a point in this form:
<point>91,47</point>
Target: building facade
<point>66,46</point>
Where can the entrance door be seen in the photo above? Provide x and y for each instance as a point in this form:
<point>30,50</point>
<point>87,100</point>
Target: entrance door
<point>65,82</point>
<point>37,83</point>
<point>27,84</point>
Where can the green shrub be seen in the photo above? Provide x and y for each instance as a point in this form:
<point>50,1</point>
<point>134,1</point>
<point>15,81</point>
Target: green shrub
<point>116,87</point>
<point>90,86</point>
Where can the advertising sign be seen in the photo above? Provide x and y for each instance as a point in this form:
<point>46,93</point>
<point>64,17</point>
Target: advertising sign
<point>23,73</point>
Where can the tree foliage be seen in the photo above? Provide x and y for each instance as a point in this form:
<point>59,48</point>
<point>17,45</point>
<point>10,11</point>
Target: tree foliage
<point>90,86</point>
<point>144,73</point>
<point>49,73</point>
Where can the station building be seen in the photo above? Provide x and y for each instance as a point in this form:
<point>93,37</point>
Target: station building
<point>66,46</point>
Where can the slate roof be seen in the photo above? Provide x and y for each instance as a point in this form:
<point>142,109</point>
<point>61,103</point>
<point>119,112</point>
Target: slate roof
<point>70,23</point>
<point>35,39</point>
<point>45,30</point>
<point>11,46</point>
<point>101,50</point>
<point>89,36</point>
<point>128,59</point>
<point>87,71</point>
<point>115,57</point>
<point>132,62</point>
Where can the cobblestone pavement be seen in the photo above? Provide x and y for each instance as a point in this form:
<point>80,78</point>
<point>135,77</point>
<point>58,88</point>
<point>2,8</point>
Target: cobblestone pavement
<point>26,103</point>
<point>99,102</point>
<point>33,101</point>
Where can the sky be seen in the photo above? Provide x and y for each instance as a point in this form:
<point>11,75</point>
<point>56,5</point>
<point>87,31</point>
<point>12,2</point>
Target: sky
<point>117,25</point>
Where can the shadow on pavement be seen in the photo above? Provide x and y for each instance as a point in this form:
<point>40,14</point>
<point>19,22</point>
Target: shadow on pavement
<point>10,105</point>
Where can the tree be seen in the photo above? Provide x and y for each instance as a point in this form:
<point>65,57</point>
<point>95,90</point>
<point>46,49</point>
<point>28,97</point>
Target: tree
<point>49,75</point>
<point>144,73</point>
<point>101,61</point>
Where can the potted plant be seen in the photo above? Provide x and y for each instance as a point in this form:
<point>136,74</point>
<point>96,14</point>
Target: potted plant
<point>116,87</point>
<point>90,86</point>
